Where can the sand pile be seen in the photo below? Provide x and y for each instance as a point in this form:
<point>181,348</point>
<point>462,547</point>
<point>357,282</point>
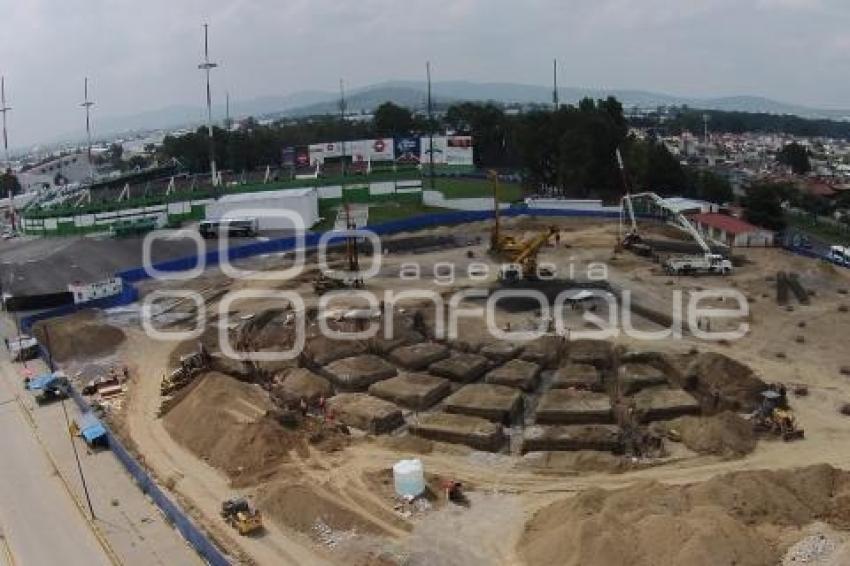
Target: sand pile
<point>79,336</point>
<point>736,386</point>
<point>725,434</point>
<point>307,510</point>
<point>731,519</point>
<point>225,422</point>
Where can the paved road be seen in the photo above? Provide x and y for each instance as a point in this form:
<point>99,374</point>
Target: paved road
<point>130,527</point>
<point>40,522</point>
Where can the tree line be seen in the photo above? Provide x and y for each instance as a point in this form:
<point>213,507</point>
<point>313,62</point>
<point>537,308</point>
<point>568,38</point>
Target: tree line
<point>570,151</point>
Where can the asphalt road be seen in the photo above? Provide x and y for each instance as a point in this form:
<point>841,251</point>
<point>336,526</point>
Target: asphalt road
<point>40,522</point>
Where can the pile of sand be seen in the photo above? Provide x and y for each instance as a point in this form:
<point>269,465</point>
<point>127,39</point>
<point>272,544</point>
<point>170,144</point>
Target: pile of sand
<point>725,434</point>
<point>308,510</point>
<point>733,384</point>
<point>226,422</point>
<point>737,518</point>
<point>79,336</point>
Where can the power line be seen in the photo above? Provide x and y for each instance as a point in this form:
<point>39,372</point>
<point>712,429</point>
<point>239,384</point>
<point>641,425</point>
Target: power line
<point>207,66</point>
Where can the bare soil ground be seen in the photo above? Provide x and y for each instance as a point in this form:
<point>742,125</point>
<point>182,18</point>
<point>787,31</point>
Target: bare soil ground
<point>548,507</point>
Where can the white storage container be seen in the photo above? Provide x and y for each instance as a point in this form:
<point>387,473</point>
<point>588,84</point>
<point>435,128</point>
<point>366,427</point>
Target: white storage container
<point>408,478</point>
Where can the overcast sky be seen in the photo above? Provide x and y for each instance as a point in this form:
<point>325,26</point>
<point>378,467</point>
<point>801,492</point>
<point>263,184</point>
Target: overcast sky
<point>143,55</point>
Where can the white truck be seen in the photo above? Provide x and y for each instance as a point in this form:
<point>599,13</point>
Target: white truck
<point>708,264</point>
<point>839,255</point>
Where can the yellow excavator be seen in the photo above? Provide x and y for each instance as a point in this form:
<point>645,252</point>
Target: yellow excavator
<point>520,256</point>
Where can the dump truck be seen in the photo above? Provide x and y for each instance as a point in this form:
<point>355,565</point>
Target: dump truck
<point>240,515</point>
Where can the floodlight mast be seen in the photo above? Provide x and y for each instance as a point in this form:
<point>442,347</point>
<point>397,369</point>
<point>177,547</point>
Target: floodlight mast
<point>207,66</point>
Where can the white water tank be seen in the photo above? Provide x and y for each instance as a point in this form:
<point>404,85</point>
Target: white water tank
<point>408,478</point>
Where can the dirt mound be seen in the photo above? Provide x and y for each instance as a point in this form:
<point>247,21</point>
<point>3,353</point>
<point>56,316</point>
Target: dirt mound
<point>731,519</point>
<point>307,510</point>
<point>723,383</point>
<point>79,336</point>
<point>725,434</point>
<point>226,423</point>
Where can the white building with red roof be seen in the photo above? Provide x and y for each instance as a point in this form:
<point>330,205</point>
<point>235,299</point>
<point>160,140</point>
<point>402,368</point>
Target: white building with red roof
<point>732,231</point>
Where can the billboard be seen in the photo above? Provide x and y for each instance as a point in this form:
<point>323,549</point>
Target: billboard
<point>287,157</point>
<point>458,150</point>
<point>439,149</point>
<point>302,156</point>
<point>321,151</point>
<point>407,150</point>
<point>380,149</point>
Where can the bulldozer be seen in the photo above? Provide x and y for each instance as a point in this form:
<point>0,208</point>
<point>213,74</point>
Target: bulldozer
<point>240,515</point>
<point>190,366</point>
<point>776,418</point>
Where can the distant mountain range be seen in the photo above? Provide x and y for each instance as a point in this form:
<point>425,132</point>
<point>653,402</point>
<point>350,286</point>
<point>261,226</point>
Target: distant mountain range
<point>413,95</point>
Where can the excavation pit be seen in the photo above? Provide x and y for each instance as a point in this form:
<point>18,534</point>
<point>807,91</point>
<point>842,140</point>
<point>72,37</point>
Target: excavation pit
<point>516,373</point>
<point>570,406</point>
<point>604,438</point>
<point>462,368</point>
<point>359,372</point>
<point>323,350</point>
<point>664,403</point>
<point>364,412</point>
<point>545,351</point>
<point>417,357</point>
<point>577,376</point>
<point>597,353</point>
<point>634,377</point>
<point>495,403</point>
<point>474,432</point>
<point>417,391</point>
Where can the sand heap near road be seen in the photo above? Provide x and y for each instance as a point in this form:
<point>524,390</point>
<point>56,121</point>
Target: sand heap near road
<point>79,336</point>
<point>225,422</point>
<point>725,434</point>
<point>736,519</point>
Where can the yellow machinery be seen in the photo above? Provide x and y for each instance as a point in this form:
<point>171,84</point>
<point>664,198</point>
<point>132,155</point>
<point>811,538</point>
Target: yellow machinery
<point>520,255</point>
<point>241,516</point>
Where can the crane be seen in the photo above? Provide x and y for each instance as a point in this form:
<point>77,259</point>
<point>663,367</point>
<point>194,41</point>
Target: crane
<point>709,262</point>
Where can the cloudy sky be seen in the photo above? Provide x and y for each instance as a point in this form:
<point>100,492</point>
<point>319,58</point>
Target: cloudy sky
<point>143,55</point>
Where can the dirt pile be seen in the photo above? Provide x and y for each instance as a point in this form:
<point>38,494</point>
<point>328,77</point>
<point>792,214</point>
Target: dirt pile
<point>304,509</point>
<point>226,423</point>
<point>79,336</point>
<point>725,434</point>
<point>722,383</point>
<point>731,519</point>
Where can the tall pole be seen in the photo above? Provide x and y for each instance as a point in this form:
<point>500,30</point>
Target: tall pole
<point>87,104</point>
<point>342,109</point>
<point>5,108</point>
<point>207,66</point>
<point>430,124</point>
<point>8,165</point>
<point>227,110</point>
<point>555,83</point>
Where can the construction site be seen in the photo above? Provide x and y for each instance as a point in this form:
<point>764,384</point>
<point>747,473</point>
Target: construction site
<point>608,421</point>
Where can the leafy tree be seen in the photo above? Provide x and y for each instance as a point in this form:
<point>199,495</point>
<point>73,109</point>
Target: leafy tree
<point>795,156</point>
<point>391,119</point>
<point>709,186</point>
<point>763,205</point>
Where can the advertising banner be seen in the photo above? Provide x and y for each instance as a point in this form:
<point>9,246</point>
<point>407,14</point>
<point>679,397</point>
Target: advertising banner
<point>287,157</point>
<point>458,150</point>
<point>407,150</point>
<point>439,149</point>
<point>370,150</point>
<point>302,156</point>
<point>319,152</point>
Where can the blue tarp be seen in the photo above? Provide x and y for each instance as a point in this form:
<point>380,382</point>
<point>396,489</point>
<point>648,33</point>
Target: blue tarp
<point>40,382</point>
<point>90,427</point>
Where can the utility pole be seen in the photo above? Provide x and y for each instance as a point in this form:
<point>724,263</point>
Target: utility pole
<point>555,83</point>
<point>227,110</point>
<point>705,119</point>
<point>207,66</point>
<point>430,123</point>
<point>8,168</point>
<point>342,124</point>
<point>87,104</point>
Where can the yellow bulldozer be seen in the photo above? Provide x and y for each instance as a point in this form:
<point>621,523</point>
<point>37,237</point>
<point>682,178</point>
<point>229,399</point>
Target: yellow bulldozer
<point>775,417</point>
<point>240,515</point>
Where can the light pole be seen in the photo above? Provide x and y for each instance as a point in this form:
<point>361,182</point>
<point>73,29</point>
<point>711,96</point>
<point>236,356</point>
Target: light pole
<point>207,66</point>
<point>87,104</point>
<point>430,124</point>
